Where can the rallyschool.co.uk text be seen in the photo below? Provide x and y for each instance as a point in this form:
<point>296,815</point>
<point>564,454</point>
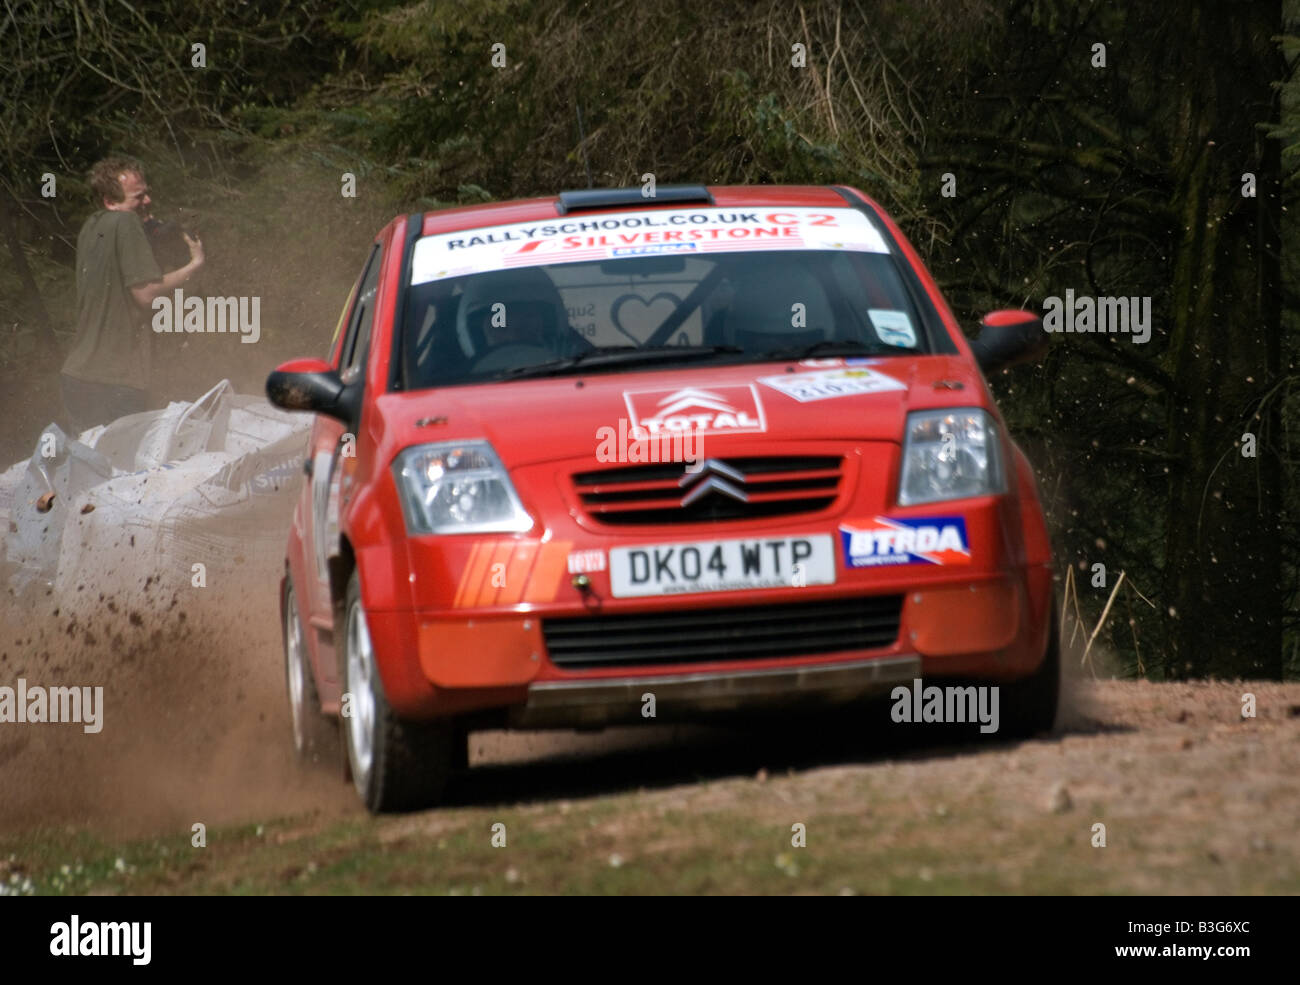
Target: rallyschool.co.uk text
<point>27,704</point>
<point>102,939</point>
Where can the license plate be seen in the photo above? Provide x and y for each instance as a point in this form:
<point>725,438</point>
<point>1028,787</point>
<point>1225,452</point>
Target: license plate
<point>722,565</point>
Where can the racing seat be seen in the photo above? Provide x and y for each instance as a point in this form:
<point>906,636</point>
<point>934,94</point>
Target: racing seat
<point>536,325</point>
<point>761,314</point>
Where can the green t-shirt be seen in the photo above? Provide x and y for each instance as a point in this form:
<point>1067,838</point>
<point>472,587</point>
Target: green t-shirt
<point>113,337</point>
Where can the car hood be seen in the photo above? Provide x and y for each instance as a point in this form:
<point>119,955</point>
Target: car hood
<point>566,417</point>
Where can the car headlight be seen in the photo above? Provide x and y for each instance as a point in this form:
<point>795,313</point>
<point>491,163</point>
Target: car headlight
<point>950,454</point>
<point>457,487</point>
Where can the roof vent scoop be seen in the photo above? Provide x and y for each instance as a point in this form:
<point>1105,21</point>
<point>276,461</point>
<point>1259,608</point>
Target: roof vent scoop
<point>611,198</point>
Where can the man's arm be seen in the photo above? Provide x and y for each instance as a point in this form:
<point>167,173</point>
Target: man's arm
<point>145,293</point>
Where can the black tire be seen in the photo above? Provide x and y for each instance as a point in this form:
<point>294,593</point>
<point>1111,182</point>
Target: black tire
<point>460,749</point>
<point>315,737</point>
<point>1029,706</point>
<point>396,765</point>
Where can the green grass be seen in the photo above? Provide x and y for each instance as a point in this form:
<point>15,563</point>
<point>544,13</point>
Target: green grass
<point>861,837</point>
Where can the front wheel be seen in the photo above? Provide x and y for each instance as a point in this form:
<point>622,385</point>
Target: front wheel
<point>314,739</point>
<point>395,764</point>
<point>1030,705</point>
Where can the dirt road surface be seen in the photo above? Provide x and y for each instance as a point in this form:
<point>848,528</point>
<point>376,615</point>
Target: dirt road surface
<point>1193,797</point>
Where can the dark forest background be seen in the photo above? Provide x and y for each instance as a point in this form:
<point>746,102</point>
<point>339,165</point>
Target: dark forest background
<point>1022,160</point>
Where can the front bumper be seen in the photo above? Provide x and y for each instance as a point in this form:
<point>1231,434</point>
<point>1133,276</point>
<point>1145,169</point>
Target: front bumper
<point>461,624</point>
<point>684,697</point>
<point>992,627</point>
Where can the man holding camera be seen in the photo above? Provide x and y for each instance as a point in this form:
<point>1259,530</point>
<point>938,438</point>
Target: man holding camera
<point>107,374</point>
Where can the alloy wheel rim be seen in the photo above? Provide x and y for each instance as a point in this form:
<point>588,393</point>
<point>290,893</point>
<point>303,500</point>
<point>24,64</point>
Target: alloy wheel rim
<point>360,663</point>
<point>296,670</point>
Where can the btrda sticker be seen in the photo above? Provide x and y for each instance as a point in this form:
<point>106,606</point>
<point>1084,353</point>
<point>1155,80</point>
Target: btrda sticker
<point>918,540</point>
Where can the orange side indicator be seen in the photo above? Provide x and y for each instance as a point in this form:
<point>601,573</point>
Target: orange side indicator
<point>517,573</point>
<point>550,569</point>
<point>509,572</point>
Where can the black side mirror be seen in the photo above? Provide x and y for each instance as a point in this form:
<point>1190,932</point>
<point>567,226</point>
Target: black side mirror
<point>308,384</point>
<point>1008,337</point>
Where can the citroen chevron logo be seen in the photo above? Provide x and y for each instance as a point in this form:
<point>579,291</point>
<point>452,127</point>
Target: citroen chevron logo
<point>715,466</point>
<point>714,476</point>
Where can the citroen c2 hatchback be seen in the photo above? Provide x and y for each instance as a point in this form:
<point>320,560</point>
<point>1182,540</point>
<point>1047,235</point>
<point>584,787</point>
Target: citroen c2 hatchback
<point>722,450</point>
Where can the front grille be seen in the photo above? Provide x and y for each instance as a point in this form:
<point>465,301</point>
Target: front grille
<point>653,494</point>
<point>731,633</point>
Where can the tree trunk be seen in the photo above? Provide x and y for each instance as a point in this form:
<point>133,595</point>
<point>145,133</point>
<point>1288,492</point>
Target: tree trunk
<point>32,299</point>
<point>1223,566</point>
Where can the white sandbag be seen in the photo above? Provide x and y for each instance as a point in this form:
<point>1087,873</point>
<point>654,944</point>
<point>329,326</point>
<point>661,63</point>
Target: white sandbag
<point>207,483</point>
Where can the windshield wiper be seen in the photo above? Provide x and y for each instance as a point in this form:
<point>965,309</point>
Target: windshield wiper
<point>621,355</point>
<point>826,347</point>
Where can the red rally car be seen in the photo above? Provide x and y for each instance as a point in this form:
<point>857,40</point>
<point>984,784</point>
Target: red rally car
<point>581,460</point>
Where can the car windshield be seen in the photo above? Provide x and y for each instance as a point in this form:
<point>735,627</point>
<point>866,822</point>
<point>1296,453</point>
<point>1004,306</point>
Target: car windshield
<point>607,314</point>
